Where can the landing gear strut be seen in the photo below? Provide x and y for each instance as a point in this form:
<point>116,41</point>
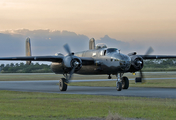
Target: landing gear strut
<point>109,77</point>
<point>119,83</point>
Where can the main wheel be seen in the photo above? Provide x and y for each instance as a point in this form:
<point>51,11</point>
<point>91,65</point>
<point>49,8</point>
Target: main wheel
<point>62,84</point>
<point>125,83</point>
<point>119,86</point>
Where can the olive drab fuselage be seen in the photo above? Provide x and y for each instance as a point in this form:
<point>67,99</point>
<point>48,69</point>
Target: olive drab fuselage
<point>106,61</point>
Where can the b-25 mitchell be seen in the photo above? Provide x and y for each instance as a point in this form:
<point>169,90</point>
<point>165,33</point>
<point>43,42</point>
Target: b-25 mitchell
<point>98,60</point>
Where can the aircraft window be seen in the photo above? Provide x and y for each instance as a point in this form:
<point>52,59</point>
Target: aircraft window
<point>94,55</point>
<point>100,46</point>
<point>101,53</point>
<point>110,50</point>
<point>104,52</point>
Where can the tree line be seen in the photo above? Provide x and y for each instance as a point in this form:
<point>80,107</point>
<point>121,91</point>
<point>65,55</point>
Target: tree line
<point>149,65</point>
<point>160,65</point>
<point>25,68</point>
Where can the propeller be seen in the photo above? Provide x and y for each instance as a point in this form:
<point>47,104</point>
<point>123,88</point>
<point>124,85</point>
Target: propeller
<point>67,49</point>
<point>74,64</point>
<point>149,51</point>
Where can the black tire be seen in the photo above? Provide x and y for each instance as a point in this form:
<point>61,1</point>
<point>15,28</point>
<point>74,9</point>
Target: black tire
<point>125,82</point>
<point>119,86</point>
<point>62,84</point>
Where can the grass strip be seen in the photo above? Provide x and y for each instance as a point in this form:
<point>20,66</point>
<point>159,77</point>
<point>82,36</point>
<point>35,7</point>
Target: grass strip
<point>47,106</point>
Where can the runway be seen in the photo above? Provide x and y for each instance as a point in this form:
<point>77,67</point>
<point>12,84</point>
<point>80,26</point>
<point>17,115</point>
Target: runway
<point>50,86</point>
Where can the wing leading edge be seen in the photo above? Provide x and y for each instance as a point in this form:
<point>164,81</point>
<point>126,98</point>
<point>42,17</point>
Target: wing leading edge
<point>157,56</point>
<point>35,58</point>
<point>85,60</point>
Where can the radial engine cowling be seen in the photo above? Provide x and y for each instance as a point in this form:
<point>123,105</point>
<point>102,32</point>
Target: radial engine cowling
<point>137,63</point>
<point>69,62</point>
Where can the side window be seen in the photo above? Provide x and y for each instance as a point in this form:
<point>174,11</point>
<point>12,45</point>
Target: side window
<point>104,52</point>
<point>101,53</point>
<point>94,55</point>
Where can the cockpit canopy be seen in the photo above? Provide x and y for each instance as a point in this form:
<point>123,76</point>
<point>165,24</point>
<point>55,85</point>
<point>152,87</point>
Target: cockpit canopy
<point>111,50</point>
<point>108,50</point>
<point>100,46</point>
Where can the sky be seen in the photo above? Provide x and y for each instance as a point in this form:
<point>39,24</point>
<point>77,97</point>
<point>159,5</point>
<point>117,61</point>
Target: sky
<point>139,23</point>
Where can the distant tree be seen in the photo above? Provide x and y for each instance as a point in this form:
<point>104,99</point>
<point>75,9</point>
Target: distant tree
<point>12,65</point>
<point>2,66</point>
<point>16,64</point>
<point>21,64</point>
<point>7,65</point>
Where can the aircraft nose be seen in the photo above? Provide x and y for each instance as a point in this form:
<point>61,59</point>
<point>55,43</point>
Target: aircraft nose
<point>125,65</point>
<point>125,62</point>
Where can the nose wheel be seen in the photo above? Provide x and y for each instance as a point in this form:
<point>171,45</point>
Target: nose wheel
<point>118,86</point>
<point>119,82</point>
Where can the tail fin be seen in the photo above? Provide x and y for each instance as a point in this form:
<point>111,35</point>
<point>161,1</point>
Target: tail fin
<point>28,49</point>
<point>91,44</point>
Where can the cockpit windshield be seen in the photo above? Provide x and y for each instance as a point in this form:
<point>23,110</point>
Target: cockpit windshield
<point>111,50</point>
<point>100,46</point>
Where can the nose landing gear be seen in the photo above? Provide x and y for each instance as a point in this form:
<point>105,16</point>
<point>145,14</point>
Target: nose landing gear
<point>119,82</point>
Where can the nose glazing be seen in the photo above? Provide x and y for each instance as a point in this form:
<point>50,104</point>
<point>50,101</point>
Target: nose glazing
<point>125,65</point>
<point>125,62</point>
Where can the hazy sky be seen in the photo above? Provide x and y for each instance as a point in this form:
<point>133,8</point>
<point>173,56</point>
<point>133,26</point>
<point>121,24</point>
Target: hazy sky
<point>126,20</point>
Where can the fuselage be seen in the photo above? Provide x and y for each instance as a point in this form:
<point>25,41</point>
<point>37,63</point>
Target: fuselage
<point>107,61</point>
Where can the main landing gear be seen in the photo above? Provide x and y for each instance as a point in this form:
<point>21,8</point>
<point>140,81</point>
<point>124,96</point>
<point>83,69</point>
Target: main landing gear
<point>122,82</point>
<point>63,84</point>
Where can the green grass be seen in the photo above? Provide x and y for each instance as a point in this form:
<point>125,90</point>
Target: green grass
<point>152,69</point>
<point>47,106</point>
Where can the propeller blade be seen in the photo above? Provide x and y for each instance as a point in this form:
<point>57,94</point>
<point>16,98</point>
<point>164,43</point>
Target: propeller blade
<point>67,49</point>
<point>149,51</point>
<point>142,77</point>
<point>71,73</point>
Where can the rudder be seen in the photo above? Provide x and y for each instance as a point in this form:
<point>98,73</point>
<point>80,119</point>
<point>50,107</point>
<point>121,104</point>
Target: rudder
<point>91,44</point>
<point>28,49</point>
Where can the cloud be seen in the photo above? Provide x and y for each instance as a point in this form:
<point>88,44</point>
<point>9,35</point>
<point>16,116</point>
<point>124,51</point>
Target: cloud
<point>47,42</point>
<point>44,42</point>
<point>111,42</point>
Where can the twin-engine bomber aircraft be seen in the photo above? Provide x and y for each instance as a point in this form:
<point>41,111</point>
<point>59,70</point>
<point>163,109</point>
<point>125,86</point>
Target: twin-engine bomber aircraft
<point>97,60</point>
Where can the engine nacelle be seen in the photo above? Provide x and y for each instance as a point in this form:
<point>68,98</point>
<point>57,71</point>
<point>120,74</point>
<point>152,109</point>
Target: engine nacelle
<point>137,63</point>
<point>69,62</point>
<point>67,65</point>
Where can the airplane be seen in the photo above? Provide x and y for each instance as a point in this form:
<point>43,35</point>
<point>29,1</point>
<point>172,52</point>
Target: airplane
<point>98,60</point>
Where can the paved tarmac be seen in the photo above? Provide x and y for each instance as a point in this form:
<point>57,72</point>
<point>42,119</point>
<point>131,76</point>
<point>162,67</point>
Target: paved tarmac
<point>50,86</point>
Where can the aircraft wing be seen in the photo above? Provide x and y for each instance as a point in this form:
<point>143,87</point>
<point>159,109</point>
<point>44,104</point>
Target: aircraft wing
<point>157,56</point>
<point>35,58</point>
<point>85,60</point>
